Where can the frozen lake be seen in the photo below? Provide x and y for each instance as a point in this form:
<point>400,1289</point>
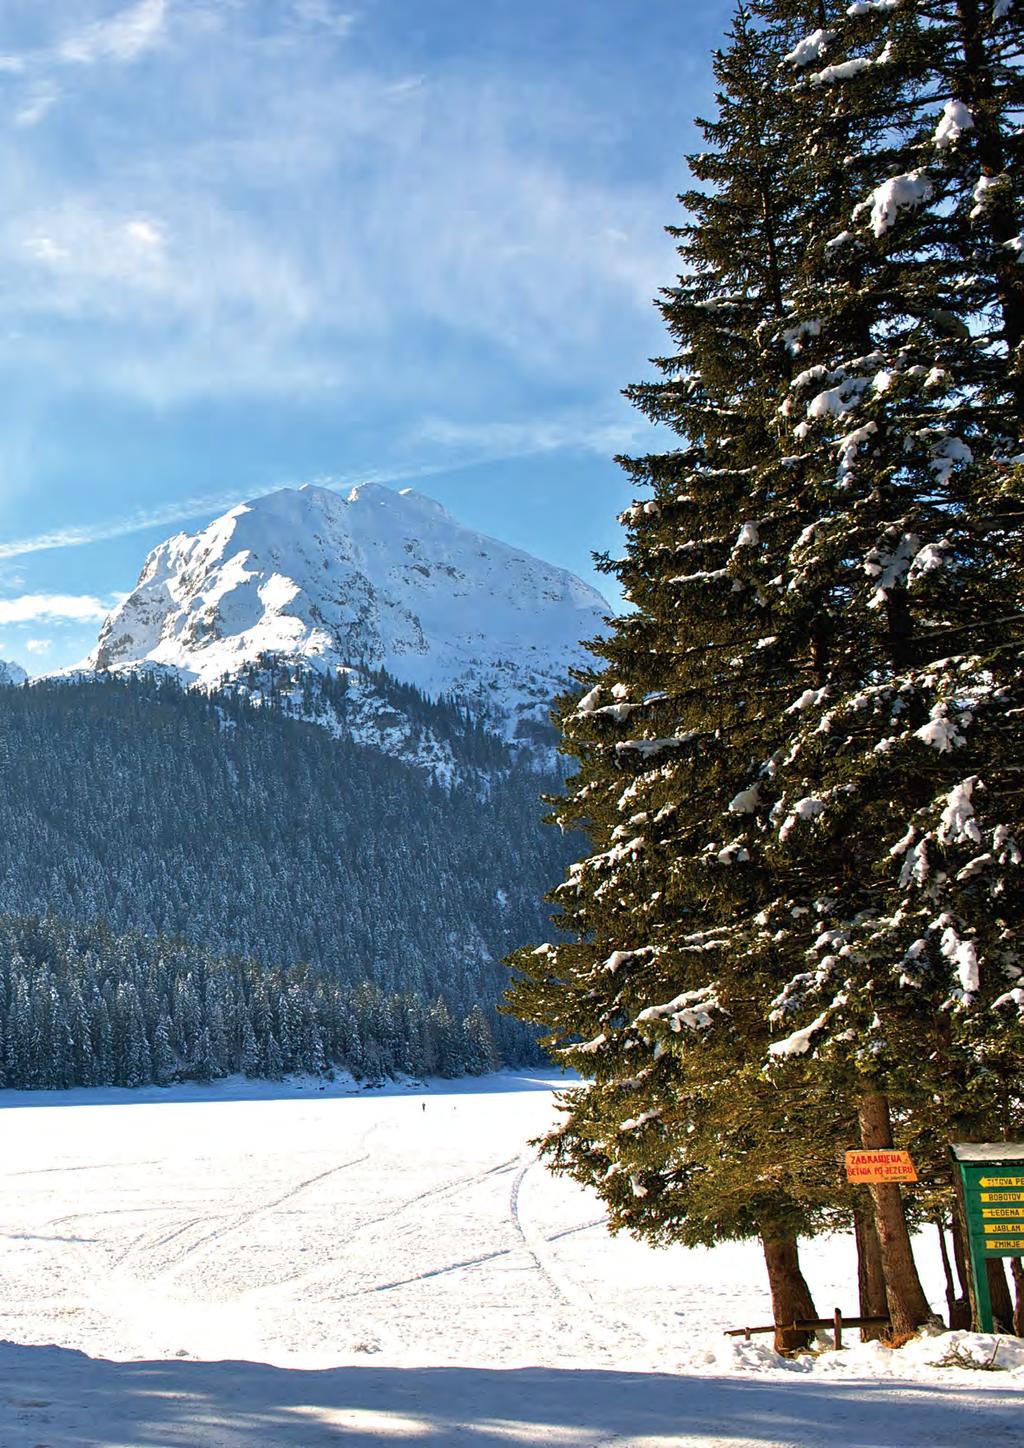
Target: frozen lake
<point>282,1265</point>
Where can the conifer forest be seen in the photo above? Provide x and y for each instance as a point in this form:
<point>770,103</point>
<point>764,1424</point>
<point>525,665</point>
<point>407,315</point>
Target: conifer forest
<point>176,862</point>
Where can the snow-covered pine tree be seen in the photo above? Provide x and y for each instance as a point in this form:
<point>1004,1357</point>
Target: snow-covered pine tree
<point>671,1019</point>
<point>798,766</point>
<point>888,815</point>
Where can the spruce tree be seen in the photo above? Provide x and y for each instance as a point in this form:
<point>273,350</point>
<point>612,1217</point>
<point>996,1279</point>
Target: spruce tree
<point>797,765</point>
<point>669,1017</point>
<point>893,804</point>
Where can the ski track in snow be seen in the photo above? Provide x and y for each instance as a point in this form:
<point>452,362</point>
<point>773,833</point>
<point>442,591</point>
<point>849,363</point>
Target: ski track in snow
<point>614,1331</point>
<point>243,1219</point>
<point>286,1267</point>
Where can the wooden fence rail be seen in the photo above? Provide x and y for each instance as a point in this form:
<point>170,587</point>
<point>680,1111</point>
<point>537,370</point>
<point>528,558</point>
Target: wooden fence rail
<point>809,1324</point>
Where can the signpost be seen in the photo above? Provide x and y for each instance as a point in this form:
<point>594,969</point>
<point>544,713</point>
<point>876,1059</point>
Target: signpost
<point>990,1182</point>
<point>879,1165</point>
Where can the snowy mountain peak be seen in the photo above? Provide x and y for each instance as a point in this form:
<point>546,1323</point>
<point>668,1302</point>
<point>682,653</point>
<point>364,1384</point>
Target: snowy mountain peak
<point>11,674</point>
<point>377,579</point>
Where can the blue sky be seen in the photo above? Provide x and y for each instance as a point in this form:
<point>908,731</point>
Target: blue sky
<point>248,243</point>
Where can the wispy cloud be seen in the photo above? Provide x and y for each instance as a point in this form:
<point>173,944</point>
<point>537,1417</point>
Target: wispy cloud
<point>38,101</point>
<point>474,447</point>
<point>119,38</point>
<point>324,15</point>
<point>532,436</point>
<point>39,646</point>
<point>121,527</point>
<point>317,221</point>
<point>122,36</point>
<point>53,608</point>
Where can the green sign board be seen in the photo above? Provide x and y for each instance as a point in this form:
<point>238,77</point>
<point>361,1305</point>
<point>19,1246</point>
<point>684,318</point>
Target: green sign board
<point>991,1189</point>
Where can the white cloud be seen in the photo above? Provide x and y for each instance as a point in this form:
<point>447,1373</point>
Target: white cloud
<point>324,15</point>
<point>39,646</point>
<point>45,249</point>
<point>120,38</point>
<point>53,607</point>
<point>37,105</point>
<point>529,437</point>
<point>473,446</point>
<point>121,527</point>
<point>146,233</point>
<point>310,222</point>
<point>123,36</point>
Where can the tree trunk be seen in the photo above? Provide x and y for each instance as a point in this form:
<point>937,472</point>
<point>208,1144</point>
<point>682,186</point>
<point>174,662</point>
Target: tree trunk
<point>960,1312</point>
<point>978,81</point>
<point>791,1297</point>
<point>999,1294</point>
<point>870,1278</point>
<point>908,1306</point>
<point>1017,1269</point>
<point>947,1272</point>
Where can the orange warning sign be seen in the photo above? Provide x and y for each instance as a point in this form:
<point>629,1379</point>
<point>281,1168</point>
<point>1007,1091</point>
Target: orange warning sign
<point>879,1166</point>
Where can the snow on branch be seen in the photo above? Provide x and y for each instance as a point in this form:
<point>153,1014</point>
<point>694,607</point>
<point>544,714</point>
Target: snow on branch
<point>588,703</point>
<point>704,576</point>
<point>808,808</point>
<point>793,337</point>
<point>845,70</point>
<point>941,732</point>
<point>748,801</point>
<point>693,1010</point>
<point>810,698</point>
<point>899,193</point>
<point>962,954</point>
<point>619,958</point>
<point>980,195</point>
<point>931,557</point>
<point>957,823</point>
<point>848,448</point>
<point>945,455</point>
<point>795,991</point>
<point>835,401</point>
<point>888,568</point>
<point>647,748</point>
<point>799,1043</point>
<point>916,865</point>
<point>1014,997</point>
<point>954,121</point>
<point>636,1122</point>
<point>810,49</point>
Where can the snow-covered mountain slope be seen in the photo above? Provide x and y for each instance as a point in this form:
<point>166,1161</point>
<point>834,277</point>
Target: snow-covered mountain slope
<point>11,674</point>
<point>375,580</point>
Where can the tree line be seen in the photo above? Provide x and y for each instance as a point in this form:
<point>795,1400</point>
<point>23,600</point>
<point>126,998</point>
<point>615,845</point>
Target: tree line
<point>245,832</point>
<point>81,1006</point>
<point>796,927</point>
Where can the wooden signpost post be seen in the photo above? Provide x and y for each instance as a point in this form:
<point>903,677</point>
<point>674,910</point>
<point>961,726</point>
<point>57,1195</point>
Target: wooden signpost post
<point>990,1183</point>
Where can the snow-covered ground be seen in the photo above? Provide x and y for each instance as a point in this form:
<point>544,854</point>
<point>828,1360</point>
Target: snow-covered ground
<point>248,1264</point>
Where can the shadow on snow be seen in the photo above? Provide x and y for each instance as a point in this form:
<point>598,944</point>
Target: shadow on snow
<point>52,1396</point>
